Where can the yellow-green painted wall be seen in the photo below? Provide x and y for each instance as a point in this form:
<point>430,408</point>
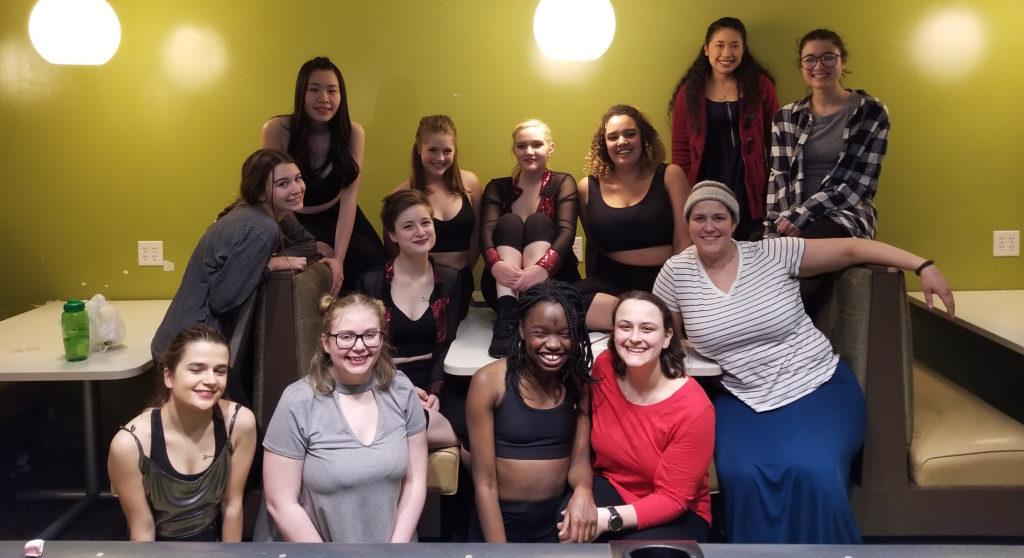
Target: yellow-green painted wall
<point>96,158</point>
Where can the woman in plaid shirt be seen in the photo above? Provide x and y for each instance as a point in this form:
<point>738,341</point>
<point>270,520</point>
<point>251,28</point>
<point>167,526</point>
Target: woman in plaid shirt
<point>826,155</point>
<point>827,151</point>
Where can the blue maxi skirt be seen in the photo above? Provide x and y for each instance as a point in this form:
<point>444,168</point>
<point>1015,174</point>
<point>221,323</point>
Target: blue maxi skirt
<point>784,473</point>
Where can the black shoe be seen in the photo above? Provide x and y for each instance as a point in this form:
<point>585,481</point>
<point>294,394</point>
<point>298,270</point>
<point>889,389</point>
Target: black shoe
<point>501,335</point>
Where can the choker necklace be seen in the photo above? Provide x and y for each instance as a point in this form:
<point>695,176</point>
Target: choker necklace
<point>341,388</point>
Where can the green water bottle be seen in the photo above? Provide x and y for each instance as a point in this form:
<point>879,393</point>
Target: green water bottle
<point>75,325</point>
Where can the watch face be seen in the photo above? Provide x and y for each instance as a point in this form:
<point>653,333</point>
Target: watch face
<point>615,521</point>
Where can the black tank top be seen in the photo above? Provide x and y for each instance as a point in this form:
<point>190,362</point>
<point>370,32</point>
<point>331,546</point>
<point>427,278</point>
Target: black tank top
<point>522,432</point>
<point>647,223</point>
<point>409,337</point>
<point>322,189</point>
<point>455,234</point>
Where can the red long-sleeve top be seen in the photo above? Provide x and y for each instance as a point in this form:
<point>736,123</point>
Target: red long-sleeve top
<point>656,456</point>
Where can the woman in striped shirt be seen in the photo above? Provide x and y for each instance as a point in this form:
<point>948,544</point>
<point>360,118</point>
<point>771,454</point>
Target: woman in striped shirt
<point>792,417</point>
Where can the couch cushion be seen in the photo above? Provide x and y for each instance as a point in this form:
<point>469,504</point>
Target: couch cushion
<point>443,470</point>
<point>959,440</point>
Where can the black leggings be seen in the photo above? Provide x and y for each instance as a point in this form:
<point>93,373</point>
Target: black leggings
<point>823,227</point>
<point>526,522</point>
<point>365,249</point>
<point>688,526</point>
<point>614,278</point>
<point>512,231</point>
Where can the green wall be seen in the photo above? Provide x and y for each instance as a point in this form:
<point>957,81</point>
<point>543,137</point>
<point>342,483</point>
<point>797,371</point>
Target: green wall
<point>96,158</point>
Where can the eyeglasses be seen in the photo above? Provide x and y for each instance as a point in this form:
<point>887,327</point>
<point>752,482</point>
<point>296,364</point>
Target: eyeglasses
<point>828,60</point>
<point>347,339</point>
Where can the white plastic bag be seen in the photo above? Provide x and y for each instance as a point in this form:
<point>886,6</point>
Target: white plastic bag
<point>106,328</point>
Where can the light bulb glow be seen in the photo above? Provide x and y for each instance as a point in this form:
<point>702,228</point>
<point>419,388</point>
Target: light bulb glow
<point>574,29</point>
<point>82,32</point>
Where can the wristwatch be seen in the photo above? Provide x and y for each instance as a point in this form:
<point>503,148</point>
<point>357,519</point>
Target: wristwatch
<point>614,520</point>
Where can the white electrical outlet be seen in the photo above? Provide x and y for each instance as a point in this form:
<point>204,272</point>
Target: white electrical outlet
<point>1005,243</point>
<point>151,253</point>
<point>577,248</point>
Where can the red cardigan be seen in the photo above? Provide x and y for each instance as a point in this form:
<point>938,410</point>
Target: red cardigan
<point>656,456</point>
<point>688,136</point>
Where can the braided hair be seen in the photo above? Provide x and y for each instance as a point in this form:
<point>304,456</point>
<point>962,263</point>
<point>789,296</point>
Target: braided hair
<point>576,371</point>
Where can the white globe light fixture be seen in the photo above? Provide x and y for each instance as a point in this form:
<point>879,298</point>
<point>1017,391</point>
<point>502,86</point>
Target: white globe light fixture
<point>574,29</point>
<point>82,32</point>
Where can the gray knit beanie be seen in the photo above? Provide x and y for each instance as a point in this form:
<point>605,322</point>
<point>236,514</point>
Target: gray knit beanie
<point>711,190</point>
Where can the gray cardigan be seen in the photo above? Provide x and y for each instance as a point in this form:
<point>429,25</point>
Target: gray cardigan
<point>226,267</point>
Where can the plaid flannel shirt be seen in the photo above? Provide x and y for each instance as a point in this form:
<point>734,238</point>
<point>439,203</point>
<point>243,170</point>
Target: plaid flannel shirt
<point>846,195</point>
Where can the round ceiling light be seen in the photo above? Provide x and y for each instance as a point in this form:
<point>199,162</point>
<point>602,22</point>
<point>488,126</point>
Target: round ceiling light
<point>574,29</point>
<point>83,32</point>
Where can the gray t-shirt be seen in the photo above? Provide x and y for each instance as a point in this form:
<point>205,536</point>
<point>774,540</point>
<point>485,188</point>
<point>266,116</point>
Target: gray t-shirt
<point>825,143</point>
<point>350,491</point>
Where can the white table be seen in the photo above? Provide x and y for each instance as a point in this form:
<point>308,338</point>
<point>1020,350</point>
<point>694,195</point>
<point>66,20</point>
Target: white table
<point>32,349</point>
<point>468,353</point>
<point>996,315</point>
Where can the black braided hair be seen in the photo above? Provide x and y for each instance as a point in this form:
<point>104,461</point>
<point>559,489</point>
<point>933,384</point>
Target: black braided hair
<point>576,371</point>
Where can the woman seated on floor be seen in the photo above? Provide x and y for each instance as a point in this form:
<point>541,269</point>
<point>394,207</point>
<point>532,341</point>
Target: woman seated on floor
<point>530,442</point>
<point>421,306</point>
<point>345,454</point>
<point>652,431</point>
<point>179,468</point>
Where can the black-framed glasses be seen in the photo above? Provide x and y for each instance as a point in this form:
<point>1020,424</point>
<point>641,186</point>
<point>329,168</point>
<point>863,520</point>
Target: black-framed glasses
<point>347,339</point>
<point>828,60</point>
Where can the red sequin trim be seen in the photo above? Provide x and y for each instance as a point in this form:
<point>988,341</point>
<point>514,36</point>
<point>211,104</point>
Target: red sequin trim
<point>549,261</point>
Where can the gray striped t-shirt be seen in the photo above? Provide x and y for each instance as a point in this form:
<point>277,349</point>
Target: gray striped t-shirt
<point>758,332</point>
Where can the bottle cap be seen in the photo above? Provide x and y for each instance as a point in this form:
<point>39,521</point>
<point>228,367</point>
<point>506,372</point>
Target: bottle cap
<point>74,306</point>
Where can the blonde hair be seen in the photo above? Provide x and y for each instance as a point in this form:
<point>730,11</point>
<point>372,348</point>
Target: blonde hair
<point>320,367</point>
<point>531,123</point>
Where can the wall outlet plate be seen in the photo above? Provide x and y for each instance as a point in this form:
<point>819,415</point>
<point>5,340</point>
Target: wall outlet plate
<point>577,248</point>
<point>1005,243</point>
<point>151,253</point>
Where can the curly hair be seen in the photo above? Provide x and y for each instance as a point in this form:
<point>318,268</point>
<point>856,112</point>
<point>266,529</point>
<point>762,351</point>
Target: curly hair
<point>599,162</point>
<point>747,74</point>
<point>576,371</point>
<point>672,358</point>
<point>320,366</point>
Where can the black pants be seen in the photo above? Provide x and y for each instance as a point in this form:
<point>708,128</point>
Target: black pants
<point>615,278</point>
<point>822,227</point>
<point>512,231</point>
<point>526,522</point>
<point>365,249</point>
<point>688,526</point>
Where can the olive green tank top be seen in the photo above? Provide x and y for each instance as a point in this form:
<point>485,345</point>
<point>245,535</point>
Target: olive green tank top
<point>185,507</point>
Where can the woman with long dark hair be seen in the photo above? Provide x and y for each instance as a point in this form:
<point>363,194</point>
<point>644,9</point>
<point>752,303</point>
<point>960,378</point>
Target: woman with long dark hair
<point>529,438</point>
<point>179,468</point>
<point>256,233</point>
<point>722,111</point>
<point>328,148</point>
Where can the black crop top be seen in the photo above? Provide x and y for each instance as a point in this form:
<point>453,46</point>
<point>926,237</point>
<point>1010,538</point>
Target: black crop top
<point>522,432</point>
<point>412,337</point>
<point>648,223</point>
<point>455,234</point>
<point>322,189</point>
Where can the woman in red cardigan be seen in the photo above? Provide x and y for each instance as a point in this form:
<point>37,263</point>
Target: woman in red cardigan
<point>722,111</point>
<point>652,433</point>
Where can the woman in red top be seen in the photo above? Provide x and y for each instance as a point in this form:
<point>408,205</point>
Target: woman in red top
<point>722,110</point>
<point>653,431</point>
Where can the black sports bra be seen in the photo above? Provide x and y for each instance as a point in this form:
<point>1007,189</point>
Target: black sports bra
<point>522,432</point>
<point>646,224</point>
<point>455,234</point>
